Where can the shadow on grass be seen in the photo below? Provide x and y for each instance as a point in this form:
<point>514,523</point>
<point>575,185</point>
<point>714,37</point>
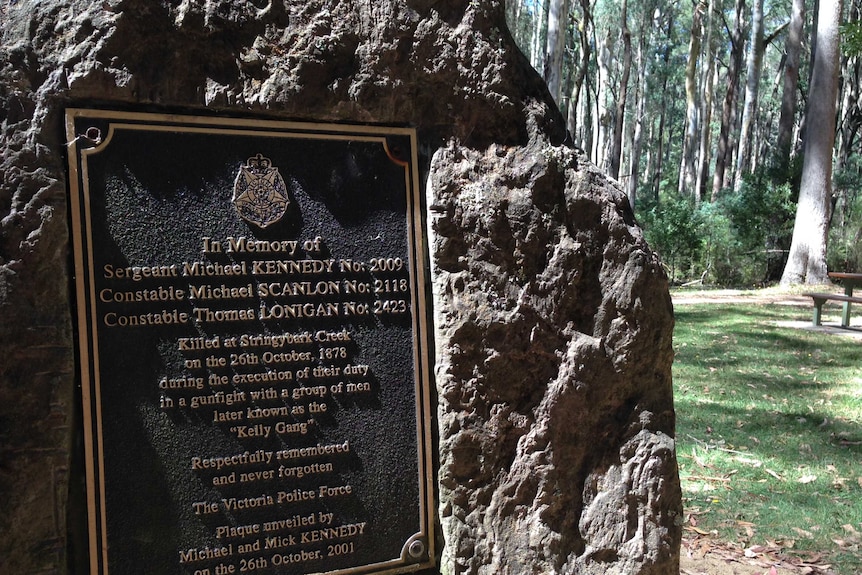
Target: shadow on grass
<point>769,426</point>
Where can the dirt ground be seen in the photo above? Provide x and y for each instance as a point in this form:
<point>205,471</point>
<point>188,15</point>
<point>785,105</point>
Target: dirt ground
<point>831,324</point>
<point>705,556</point>
<point>764,296</point>
<point>702,555</point>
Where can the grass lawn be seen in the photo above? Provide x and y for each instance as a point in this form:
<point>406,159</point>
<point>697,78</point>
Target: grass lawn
<point>769,431</point>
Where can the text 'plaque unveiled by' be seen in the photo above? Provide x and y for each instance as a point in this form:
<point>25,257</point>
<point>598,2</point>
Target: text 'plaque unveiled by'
<point>253,345</point>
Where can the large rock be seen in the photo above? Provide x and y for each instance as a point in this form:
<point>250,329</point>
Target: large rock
<point>554,348</point>
<point>553,317</point>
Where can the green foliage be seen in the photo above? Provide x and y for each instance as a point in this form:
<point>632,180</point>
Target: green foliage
<point>721,247</point>
<point>845,233</point>
<point>851,38</point>
<point>673,228</point>
<point>762,213</point>
<point>769,428</point>
<point>739,240</point>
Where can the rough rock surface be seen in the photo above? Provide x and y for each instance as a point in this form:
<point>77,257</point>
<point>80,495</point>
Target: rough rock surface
<point>554,322</point>
<point>552,369</point>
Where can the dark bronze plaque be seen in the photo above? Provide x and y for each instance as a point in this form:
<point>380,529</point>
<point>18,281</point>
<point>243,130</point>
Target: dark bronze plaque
<point>253,345</point>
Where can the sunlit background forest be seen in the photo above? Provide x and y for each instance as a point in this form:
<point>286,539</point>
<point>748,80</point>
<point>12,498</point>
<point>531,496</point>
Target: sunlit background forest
<point>703,111</point>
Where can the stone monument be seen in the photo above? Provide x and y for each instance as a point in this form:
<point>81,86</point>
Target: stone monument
<point>544,437</point>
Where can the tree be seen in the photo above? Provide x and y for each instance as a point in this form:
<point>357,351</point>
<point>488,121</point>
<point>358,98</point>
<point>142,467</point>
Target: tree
<point>752,84</point>
<point>807,260</point>
<point>706,110</point>
<point>540,36</point>
<point>619,115</point>
<point>687,168</point>
<point>792,48</point>
<point>637,136</point>
<point>723,152</point>
<point>557,18</point>
<point>583,28</point>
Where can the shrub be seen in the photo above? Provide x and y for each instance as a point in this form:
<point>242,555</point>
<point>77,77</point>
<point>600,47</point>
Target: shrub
<point>740,240</point>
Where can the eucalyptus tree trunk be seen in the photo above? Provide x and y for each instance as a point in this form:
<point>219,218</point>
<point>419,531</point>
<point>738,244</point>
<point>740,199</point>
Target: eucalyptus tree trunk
<point>540,37</point>
<point>723,150</point>
<point>637,137</point>
<point>619,115</point>
<point>706,108</point>
<point>787,119</point>
<point>603,113</point>
<point>807,260</point>
<point>659,152</point>
<point>687,160</point>
<point>850,116</point>
<point>754,63</point>
<point>584,65</point>
<point>557,18</point>
<point>514,16</point>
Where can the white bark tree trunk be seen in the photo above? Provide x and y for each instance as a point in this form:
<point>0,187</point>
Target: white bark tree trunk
<point>752,84</point>
<point>807,260</point>
<point>637,138</point>
<point>787,119</point>
<point>557,17</point>
<point>706,114</point>
<point>620,108</point>
<point>687,161</point>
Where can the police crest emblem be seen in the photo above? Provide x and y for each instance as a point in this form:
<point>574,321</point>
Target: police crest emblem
<point>259,193</point>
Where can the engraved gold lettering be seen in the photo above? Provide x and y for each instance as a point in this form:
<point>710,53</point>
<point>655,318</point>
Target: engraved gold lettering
<point>238,503</point>
<point>294,496</point>
<point>328,533</point>
<point>165,317</point>
<point>198,343</point>
<point>207,291</point>
<point>138,273</point>
<point>285,356</point>
<point>204,507</point>
<point>204,553</point>
<point>208,269</point>
<point>158,294</point>
<point>281,524</point>
<point>326,491</point>
<point>298,310</point>
<point>184,382</point>
<point>207,315</point>
<point>343,335</point>
<point>268,412</point>
<point>276,341</point>
<point>313,451</point>
<point>237,531</point>
<point>300,556</point>
<point>245,548</point>
<point>279,267</point>
<point>245,458</point>
<point>278,541</point>
<point>221,416</point>
<point>218,398</point>
<point>249,476</point>
<point>303,470</point>
<point>305,289</point>
<point>283,428</point>
<point>261,377</point>
<point>244,244</point>
<point>257,430</point>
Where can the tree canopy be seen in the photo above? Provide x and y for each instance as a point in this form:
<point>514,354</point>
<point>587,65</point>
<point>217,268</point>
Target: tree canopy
<point>708,104</point>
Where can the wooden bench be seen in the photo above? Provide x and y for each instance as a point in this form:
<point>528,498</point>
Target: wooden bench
<point>821,298</point>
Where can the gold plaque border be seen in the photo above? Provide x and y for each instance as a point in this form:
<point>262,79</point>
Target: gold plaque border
<point>79,199</point>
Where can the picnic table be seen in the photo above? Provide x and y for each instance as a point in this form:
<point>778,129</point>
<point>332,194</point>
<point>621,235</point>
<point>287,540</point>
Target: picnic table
<point>850,281</point>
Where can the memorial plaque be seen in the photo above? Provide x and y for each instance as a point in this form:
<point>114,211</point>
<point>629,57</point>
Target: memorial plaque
<point>253,345</point>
